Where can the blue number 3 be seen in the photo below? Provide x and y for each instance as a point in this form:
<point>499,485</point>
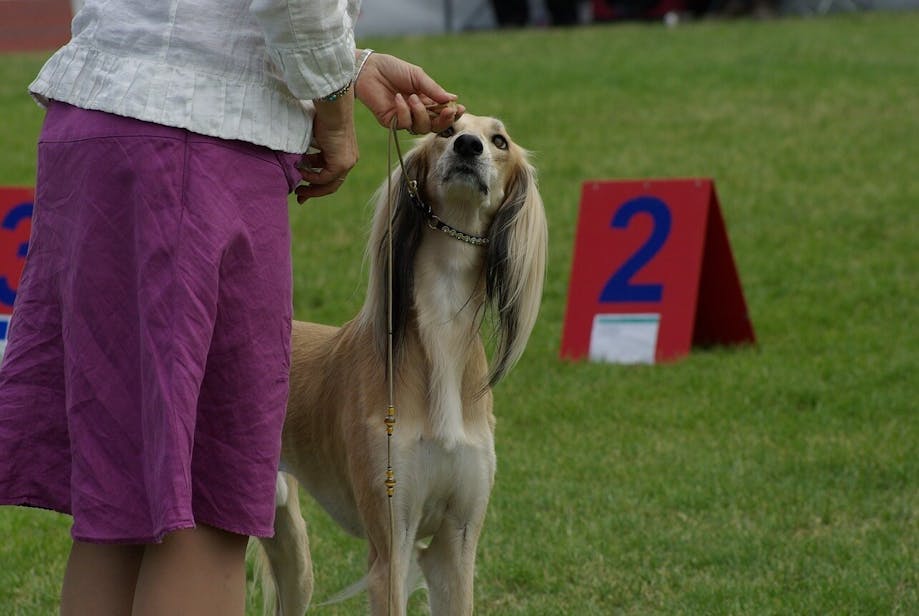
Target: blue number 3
<point>10,222</point>
<point>619,288</point>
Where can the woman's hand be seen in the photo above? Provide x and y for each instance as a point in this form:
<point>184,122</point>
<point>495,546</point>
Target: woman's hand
<point>333,135</point>
<point>391,87</point>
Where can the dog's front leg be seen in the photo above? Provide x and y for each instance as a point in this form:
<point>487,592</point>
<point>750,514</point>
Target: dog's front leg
<point>448,564</point>
<point>389,595</point>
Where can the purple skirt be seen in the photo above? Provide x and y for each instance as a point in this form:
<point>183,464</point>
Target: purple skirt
<point>144,385</point>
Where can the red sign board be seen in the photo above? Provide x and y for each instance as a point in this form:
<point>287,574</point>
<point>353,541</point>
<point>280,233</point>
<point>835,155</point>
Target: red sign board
<point>15,226</point>
<point>653,274</point>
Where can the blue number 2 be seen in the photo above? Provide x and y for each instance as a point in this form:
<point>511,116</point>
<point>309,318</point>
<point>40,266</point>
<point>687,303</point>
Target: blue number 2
<point>619,288</point>
<point>11,221</point>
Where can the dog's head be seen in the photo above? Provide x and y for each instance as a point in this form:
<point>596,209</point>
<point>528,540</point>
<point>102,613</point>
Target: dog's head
<point>474,178</point>
<point>470,166</point>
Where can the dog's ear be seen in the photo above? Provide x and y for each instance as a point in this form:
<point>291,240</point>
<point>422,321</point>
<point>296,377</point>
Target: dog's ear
<point>407,224</point>
<point>515,266</point>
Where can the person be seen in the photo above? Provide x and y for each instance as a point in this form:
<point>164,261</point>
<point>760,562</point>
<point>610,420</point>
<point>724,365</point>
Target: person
<point>144,384</point>
<point>511,13</point>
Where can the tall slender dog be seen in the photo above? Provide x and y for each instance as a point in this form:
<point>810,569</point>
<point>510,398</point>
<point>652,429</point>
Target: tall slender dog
<point>471,242</point>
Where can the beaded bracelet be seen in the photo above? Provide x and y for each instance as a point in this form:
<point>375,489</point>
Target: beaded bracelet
<point>337,94</point>
<point>360,62</point>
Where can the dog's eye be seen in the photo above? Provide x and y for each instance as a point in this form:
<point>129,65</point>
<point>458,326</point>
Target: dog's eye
<point>500,142</point>
<point>447,132</point>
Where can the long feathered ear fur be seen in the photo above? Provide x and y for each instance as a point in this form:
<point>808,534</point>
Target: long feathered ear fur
<point>515,267</point>
<point>407,225</point>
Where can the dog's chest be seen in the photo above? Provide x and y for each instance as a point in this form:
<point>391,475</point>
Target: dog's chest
<point>440,481</point>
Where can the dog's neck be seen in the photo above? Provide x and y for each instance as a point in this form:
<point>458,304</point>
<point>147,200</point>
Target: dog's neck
<point>449,293</point>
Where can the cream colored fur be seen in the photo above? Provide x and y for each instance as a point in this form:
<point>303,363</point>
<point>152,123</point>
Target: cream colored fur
<point>334,439</point>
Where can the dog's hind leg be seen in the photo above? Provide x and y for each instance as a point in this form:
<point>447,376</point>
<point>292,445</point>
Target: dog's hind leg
<point>288,552</point>
<point>448,564</point>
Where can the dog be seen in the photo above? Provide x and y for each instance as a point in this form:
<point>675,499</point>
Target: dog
<point>469,243</point>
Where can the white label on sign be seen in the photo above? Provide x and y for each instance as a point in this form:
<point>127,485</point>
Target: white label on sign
<point>624,338</point>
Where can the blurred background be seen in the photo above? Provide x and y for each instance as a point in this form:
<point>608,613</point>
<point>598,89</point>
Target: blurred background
<point>45,24</point>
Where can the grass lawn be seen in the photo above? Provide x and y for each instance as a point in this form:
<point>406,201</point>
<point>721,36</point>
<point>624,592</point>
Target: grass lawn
<point>776,479</point>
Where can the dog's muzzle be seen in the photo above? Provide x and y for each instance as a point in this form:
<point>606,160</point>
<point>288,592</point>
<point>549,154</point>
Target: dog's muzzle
<point>467,150</point>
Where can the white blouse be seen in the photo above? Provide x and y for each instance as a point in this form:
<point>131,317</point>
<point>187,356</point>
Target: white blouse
<point>234,69</point>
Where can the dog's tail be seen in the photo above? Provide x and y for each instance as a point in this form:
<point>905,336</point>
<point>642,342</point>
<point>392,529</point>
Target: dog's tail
<point>346,593</point>
<point>415,581</point>
<point>282,563</point>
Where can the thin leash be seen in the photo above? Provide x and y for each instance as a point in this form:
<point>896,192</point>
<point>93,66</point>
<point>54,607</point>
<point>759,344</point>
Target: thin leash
<point>436,223</point>
<point>390,420</point>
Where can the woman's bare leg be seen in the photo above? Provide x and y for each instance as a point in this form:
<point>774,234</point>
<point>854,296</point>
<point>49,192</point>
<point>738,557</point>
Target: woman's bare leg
<point>200,571</point>
<point>100,579</point>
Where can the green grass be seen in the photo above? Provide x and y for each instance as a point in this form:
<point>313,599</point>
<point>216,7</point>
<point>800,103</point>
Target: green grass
<point>780,479</point>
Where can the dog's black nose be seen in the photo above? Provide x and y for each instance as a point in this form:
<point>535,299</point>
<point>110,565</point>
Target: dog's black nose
<point>468,146</point>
